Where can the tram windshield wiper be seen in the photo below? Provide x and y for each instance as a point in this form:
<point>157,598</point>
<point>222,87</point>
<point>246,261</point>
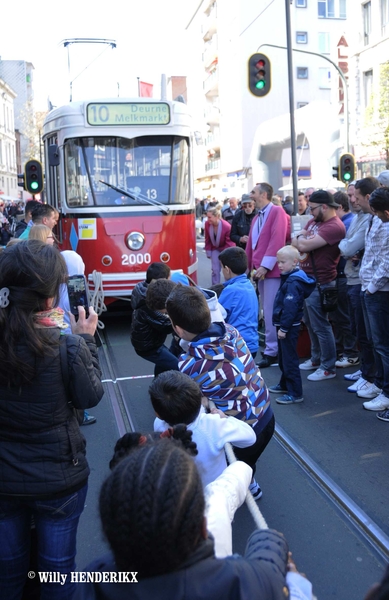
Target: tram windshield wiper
<point>137,197</point>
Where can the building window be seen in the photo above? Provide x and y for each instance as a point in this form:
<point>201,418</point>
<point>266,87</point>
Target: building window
<point>302,72</point>
<point>331,9</point>
<point>324,78</point>
<point>301,104</point>
<point>368,86</point>
<point>384,16</point>
<point>301,3</point>
<point>301,37</point>
<point>324,43</point>
<point>366,23</point>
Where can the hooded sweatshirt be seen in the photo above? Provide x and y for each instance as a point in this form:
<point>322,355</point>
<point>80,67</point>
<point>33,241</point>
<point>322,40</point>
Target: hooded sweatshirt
<point>220,362</point>
<point>289,301</point>
<point>75,266</point>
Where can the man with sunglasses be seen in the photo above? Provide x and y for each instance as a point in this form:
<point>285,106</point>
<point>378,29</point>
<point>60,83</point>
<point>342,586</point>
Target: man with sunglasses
<point>318,247</point>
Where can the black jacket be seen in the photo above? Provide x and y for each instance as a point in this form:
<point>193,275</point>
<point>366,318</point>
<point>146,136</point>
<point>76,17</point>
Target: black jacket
<point>42,451</point>
<point>20,227</point>
<point>289,301</point>
<point>240,226</point>
<point>259,574</point>
<point>149,328</point>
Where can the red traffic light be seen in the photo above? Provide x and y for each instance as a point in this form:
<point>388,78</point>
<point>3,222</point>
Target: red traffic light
<point>260,64</point>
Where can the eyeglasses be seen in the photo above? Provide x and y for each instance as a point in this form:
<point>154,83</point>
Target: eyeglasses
<point>314,207</point>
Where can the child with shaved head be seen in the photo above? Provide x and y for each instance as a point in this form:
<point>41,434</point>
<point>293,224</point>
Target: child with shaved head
<point>295,286</point>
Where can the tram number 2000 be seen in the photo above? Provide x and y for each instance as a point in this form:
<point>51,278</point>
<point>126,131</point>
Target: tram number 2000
<point>136,259</point>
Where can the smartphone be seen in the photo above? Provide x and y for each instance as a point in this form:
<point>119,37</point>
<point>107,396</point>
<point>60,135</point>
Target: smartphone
<point>78,294</point>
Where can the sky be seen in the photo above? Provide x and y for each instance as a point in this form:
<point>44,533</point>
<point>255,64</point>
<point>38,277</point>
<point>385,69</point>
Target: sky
<point>150,37</point>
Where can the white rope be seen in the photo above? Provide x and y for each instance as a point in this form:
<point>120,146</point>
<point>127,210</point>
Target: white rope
<point>96,299</point>
<point>258,517</point>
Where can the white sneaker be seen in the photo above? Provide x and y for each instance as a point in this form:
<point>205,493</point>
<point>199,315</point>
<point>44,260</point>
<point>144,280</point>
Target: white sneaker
<point>308,365</point>
<point>357,385</point>
<point>345,362</point>
<point>369,390</point>
<point>379,403</point>
<point>353,376</point>
<point>321,375</point>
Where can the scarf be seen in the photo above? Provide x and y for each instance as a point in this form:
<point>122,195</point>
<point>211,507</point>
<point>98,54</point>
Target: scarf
<point>50,318</point>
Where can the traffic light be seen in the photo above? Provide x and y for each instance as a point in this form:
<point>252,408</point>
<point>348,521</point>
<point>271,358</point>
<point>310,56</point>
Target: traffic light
<point>335,173</point>
<point>347,168</point>
<point>21,180</point>
<point>33,176</point>
<point>259,74</point>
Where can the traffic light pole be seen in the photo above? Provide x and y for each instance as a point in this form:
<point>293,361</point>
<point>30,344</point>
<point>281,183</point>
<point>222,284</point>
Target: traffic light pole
<point>341,75</point>
<point>291,107</point>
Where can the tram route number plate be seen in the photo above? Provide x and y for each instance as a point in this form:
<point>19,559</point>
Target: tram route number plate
<point>128,113</point>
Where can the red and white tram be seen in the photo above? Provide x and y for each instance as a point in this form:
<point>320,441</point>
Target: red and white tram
<point>120,174</point>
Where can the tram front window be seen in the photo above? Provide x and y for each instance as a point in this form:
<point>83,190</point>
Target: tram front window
<point>149,168</point>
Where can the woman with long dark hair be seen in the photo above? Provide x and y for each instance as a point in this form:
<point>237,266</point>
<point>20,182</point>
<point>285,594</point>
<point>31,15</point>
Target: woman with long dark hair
<point>43,377</point>
<point>152,510</point>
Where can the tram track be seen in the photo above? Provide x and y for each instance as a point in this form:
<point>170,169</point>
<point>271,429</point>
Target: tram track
<point>113,387</point>
<point>357,518</point>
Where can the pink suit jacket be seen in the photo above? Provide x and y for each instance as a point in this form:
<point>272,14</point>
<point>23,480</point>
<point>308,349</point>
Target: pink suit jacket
<point>273,236</point>
<point>225,241</point>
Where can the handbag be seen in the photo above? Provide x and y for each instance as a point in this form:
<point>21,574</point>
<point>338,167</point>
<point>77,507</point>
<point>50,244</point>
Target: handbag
<point>328,296</point>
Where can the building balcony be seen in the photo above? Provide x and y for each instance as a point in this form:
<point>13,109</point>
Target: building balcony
<point>212,141</point>
<point>213,165</point>
<point>212,115</point>
<point>210,52</point>
<point>211,84</point>
<point>209,25</point>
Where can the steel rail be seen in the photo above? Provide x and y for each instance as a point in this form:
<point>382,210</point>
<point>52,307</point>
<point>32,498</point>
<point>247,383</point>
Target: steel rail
<point>364,525</point>
<point>113,387</point>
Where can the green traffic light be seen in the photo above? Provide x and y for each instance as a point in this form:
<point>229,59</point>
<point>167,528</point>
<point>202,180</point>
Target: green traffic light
<point>34,185</point>
<point>260,84</point>
<point>347,176</point>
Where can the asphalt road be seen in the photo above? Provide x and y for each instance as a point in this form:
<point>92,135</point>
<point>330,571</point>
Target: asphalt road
<point>346,441</point>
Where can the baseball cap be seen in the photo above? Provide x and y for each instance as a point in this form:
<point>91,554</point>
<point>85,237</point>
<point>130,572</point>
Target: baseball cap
<point>323,197</point>
<point>246,198</point>
<point>383,178</point>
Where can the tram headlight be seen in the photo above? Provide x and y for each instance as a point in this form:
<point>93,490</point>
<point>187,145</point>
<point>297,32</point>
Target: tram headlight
<point>135,240</point>
<point>165,257</point>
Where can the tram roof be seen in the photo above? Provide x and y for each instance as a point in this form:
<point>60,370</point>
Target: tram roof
<point>78,107</point>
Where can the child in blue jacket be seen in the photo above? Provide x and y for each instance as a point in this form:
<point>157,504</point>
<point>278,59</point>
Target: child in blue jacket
<point>295,286</point>
<point>238,297</point>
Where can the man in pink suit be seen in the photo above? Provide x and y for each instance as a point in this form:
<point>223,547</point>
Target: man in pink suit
<point>268,234</point>
<point>217,238</point>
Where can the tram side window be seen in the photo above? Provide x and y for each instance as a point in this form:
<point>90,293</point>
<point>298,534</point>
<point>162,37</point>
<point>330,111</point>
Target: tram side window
<point>180,172</point>
<point>78,180</point>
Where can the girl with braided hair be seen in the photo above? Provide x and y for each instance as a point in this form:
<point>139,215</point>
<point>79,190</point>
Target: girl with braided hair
<point>152,511</point>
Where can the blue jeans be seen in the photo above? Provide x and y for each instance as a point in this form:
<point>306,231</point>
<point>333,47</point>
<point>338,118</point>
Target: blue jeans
<point>323,350</point>
<point>358,327</point>
<point>288,361</point>
<point>163,359</point>
<point>345,338</point>
<point>376,313</point>
<point>56,523</point>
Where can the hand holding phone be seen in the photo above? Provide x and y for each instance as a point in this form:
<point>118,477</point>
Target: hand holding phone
<point>84,324</point>
<point>78,294</point>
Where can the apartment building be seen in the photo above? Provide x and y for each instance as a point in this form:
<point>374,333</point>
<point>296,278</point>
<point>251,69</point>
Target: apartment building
<point>369,80</point>
<point>230,117</point>
<point>19,75</point>
<point>8,165</point>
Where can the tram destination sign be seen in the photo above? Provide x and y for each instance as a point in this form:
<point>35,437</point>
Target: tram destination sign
<point>128,113</point>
